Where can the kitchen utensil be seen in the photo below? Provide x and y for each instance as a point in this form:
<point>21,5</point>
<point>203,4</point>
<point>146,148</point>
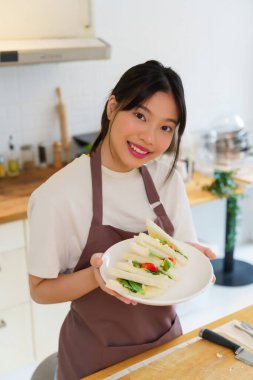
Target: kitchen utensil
<point>247,326</point>
<point>64,126</point>
<point>227,140</point>
<point>246,330</point>
<point>239,351</point>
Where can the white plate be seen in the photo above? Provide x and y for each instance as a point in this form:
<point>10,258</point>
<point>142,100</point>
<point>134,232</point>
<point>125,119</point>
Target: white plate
<point>193,277</point>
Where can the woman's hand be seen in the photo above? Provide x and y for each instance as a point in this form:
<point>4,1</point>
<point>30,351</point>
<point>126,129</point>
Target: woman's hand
<point>96,262</point>
<point>207,252</point>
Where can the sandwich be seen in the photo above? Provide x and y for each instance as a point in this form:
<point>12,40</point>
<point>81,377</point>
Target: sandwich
<point>128,279</point>
<point>165,241</point>
<point>149,267</point>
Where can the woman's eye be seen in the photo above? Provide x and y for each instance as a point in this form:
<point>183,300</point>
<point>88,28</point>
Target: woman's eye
<point>166,128</point>
<point>140,116</point>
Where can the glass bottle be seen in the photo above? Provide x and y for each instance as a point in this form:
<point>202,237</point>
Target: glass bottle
<point>12,163</point>
<point>2,166</point>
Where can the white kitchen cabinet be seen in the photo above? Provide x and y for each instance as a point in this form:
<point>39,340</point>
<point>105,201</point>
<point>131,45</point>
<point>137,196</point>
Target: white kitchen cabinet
<point>28,331</point>
<point>16,345</point>
<point>47,321</point>
<point>11,236</point>
<point>44,19</point>
<point>16,348</point>
<point>210,223</point>
<point>13,279</point>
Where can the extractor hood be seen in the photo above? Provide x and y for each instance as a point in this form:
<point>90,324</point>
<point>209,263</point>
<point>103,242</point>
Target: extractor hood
<point>40,31</point>
<point>52,50</point>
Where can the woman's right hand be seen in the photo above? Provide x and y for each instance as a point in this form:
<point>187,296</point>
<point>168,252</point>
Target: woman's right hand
<point>96,262</point>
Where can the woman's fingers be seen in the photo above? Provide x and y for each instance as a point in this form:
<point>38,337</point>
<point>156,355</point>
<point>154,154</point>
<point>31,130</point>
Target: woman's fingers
<point>207,251</point>
<point>96,262</point>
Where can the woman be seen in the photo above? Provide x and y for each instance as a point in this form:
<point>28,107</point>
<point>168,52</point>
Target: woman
<point>97,201</point>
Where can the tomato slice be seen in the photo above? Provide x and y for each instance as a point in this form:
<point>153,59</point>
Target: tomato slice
<point>172,259</point>
<point>150,266</point>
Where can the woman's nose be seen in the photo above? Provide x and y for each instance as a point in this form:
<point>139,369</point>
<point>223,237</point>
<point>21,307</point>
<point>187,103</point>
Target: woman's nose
<point>148,134</point>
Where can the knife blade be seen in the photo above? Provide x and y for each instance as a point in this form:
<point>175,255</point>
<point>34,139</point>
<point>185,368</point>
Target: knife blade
<point>239,351</point>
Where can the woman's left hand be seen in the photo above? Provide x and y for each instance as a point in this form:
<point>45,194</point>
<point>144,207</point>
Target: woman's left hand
<point>207,252</point>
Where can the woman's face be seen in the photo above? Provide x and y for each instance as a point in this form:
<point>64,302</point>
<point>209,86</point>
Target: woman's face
<point>141,134</point>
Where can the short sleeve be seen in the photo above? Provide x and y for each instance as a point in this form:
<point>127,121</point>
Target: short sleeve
<point>47,245</point>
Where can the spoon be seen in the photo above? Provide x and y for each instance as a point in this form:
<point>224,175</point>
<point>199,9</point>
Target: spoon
<point>247,326</point>
<point>244,329</point>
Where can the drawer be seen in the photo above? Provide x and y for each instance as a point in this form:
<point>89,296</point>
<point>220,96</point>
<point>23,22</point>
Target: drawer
<point>12,236</point>
<point>14,288</point>
<point>16,347</point>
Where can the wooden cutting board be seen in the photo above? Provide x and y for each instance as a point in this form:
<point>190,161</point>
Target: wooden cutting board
<point>201,360</point>
<point>185,358</point>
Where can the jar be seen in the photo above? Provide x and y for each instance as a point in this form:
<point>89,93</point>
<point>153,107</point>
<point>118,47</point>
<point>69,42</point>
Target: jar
<point>27,157</point>
<point>57,150</point>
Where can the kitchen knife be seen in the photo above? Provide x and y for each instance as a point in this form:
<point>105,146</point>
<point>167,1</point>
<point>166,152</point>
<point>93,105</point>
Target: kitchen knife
<point>239,351</point>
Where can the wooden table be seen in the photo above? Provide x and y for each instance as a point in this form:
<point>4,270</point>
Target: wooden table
<point>200,360</point>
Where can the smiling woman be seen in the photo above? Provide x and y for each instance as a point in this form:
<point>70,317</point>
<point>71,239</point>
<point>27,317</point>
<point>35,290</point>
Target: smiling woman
<point>148,103</point>
<point>99,200</point>
<point>139,135</point>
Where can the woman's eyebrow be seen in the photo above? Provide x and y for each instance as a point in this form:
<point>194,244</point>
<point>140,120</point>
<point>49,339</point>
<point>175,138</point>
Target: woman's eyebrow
<point>149,112</point>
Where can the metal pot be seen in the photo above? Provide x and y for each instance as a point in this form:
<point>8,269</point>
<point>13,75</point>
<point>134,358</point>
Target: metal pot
<point>227,143</point>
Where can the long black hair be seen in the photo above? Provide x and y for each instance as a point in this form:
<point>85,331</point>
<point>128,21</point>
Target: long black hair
<point>136,86</point>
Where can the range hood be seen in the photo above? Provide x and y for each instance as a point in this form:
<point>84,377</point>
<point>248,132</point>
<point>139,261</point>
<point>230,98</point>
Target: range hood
<point>52,50</point>
<point>40,31</point>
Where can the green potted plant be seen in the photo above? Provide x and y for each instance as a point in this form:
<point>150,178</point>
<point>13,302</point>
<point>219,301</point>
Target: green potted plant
<point>224,185</point>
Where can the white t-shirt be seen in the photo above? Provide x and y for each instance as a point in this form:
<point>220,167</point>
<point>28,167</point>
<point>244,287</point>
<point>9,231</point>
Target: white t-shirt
<point>60,211</point>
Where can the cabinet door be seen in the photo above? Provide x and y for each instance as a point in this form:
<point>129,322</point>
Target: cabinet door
<point>15,338</point>
<point>13,279</point>
<point>11,236</point>
<point>45,19</point>
<point>210,223</point>
<point>47,321</point>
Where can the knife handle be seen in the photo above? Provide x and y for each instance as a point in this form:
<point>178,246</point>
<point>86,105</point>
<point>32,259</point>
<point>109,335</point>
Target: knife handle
<point>218,339</point>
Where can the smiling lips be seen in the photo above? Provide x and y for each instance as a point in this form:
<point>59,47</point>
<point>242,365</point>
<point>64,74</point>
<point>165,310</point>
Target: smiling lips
<point>137,150</point>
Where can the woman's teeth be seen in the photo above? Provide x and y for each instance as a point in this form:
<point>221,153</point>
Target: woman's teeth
<point>138,150</point>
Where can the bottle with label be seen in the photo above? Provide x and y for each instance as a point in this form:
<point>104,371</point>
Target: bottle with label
<point>2,166</point>
<point>12,163</point>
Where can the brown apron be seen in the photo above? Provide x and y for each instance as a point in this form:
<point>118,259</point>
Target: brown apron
<point>100,330</point>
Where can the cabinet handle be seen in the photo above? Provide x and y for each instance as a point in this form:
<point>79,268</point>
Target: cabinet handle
<point>89,21</point>
<point>2,323</point>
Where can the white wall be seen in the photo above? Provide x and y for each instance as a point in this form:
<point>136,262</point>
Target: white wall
<point>208,42</point>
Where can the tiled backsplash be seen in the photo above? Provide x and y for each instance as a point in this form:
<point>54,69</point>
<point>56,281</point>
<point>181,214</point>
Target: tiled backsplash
<point>28,100</point>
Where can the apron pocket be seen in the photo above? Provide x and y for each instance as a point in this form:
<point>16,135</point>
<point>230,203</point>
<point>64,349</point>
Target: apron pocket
<point>115,354</point>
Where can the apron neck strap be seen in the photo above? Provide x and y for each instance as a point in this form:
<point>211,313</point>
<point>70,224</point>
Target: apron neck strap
<point>154,200</point>
<point>97,190</point>
<point>97,193</point>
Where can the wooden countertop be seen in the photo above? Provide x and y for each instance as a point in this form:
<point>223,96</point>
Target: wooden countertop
<point>15,192</point>
<point>199,360</point>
